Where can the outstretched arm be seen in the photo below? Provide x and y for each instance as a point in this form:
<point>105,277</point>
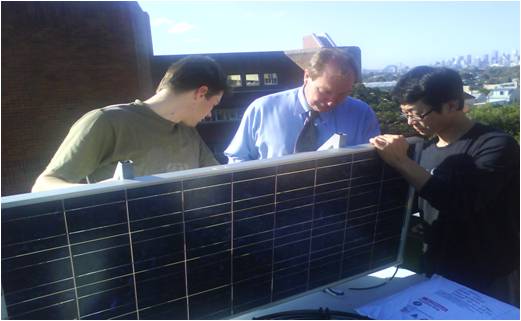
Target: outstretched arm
<point>88,141</point>
<point>47,181</point>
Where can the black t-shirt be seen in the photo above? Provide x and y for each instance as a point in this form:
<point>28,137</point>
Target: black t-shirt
<point>470,206</point>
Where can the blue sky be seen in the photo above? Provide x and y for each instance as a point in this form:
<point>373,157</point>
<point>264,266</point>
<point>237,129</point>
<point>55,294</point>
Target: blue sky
<point>412,33</point>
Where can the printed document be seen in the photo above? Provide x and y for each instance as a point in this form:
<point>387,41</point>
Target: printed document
<point>439,298</point>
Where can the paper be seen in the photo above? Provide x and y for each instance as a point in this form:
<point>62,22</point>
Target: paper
<point>439,298</point>
<point>335,141</point>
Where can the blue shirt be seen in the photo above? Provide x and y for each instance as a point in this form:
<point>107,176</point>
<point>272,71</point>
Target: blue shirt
<point>271,124</point>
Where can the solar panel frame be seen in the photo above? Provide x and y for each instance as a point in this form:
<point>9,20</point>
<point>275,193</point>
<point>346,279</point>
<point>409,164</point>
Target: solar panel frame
<point>255,237</point>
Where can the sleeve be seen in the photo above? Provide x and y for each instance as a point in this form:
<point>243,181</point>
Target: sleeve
<point>206,157</point>
<point>242,147</point>
<point>89,141</point>
<point>465,184</point>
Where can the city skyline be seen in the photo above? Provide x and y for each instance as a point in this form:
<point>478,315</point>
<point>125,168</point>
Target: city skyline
<point>495,58</point>
<point>388,33</point>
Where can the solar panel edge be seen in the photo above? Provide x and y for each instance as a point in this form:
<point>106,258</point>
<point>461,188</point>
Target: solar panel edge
<point>163,178</point>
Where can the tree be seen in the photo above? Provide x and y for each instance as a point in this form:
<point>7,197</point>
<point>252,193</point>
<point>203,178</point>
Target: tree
<point>504,117</point>
<point>498,75</point>
<point>387,111</point>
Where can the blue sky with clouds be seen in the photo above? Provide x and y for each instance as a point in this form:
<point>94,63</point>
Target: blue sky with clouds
<point>409,32</point>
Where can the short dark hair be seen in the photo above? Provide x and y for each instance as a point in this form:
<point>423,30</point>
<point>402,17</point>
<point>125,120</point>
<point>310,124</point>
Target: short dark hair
<point>346,63</point>
<point>433,86</point>
<point>192,72</point>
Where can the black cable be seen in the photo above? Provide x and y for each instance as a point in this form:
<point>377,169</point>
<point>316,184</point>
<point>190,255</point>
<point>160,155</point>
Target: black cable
<point>320,314</point>
<point>323,314</point>
<point>381,284</point>
<point>347,315</point>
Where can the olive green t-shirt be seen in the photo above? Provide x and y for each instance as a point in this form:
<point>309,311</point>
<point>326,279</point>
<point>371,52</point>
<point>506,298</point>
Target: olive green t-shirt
<point>102,137</point>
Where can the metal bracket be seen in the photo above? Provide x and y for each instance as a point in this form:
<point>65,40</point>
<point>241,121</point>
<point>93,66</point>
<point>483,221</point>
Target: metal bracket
<point>335,141</point>
<point>124,170</point>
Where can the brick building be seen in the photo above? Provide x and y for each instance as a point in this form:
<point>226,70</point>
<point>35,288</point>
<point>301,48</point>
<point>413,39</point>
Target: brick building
<point>60,60</point>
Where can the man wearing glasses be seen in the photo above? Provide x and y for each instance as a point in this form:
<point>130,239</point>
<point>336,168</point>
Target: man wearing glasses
<point>467,181</point>
<point>274,125</point>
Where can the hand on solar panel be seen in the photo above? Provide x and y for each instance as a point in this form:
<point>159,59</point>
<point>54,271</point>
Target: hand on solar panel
<point>392,148</point>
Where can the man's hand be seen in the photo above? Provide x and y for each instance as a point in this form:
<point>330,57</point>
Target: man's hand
<point>391,148</point>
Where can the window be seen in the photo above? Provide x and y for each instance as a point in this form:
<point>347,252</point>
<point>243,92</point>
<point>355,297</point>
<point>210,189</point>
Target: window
<point>234,81</point>
<point>271,79</point>
<point>252,80</point>
<point>227,114</point>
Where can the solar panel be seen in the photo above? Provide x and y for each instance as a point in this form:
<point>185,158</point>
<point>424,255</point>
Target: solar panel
<point>204,243</point>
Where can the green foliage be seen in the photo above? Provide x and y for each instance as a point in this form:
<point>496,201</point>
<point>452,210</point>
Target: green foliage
<point>469,76</point>
<point>387,111</point>
<point>484,91</point>
<point>498,75</point>
<point>504,117</point>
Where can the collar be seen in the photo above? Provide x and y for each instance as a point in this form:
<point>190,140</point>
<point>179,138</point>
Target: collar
<point>303,102</point>
<point>303,113</point>
<point>145,109</point>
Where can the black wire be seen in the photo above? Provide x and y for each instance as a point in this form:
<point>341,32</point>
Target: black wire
<point>320,314</point>
<point>381,284</point>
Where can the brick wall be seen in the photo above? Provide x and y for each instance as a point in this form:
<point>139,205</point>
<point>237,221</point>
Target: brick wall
<point>60,60</point>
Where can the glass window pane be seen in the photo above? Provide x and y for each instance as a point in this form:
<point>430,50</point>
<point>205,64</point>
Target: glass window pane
<point>252,80</point>
<point>234,80</point>
<point>271,79</point>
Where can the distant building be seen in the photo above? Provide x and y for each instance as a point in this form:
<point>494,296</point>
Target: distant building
<point>485,60</point>
<point>514,84</point>
<point>498,93</point>
<point>468,60</point>
<point>495,57</point>
<point>474,98</point>
<point>384,85</point>
<point>503,95</point>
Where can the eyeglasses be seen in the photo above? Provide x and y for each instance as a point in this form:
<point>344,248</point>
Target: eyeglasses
<point>415,117</point>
